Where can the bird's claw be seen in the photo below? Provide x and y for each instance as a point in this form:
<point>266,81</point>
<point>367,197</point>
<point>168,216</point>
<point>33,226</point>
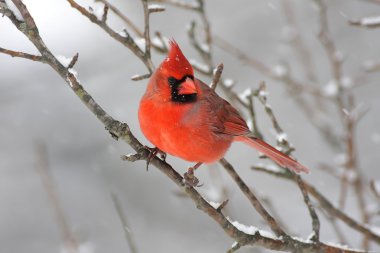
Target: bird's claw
<point>152,153</point>
<point>190,179</point>
<point>162,155</point>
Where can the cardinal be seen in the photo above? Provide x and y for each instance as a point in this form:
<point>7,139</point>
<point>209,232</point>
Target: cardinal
<point>182,116</point>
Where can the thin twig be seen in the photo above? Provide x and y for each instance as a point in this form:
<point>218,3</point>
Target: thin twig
<point>217,75</point>
<point>306,62</point>
<point>374,189</point>
<point>140,77</point>
<point>313,214</point>
<point>366,22</point>
<point>147,34</point>
<point>181,4</point>
<point>122,131</point>
<point>203,52</point>
<point>260,93</point>
<point>294,87</point>
<point>235,247</point>
<point>118,13</point>
<point>325,204</point>
<point>333,221</point>
<point>22,55</point>
<point>125,39</point>
<point>252,114</point>
<point>328,43</point>
<point>73,61</point>
<point>160,48</point>
<point>127,233</point>
<point>267,71</point>
<point>298,43</point>
<point>284,143</point>
<point>70,242</point>
<point>344,103</point>
<point>253,199</point>
<point>206,24</point>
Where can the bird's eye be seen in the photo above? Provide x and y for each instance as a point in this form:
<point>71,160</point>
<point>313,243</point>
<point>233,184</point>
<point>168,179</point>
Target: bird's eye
<point>172,81</point>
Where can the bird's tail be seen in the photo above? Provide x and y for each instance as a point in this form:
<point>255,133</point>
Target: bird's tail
<point>274,154</point>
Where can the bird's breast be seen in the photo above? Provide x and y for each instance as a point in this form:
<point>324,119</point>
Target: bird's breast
<point>182,130</point>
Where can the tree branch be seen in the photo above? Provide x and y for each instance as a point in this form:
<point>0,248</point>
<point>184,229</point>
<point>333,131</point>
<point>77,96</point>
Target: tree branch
<point>124,38</point>
<point>282,140</point>
<point>121,131</point>
<point>147,34</point>
<point>123,17</point>
<point>253,199</point>
<point>217,75</point>
<point>22,55</point>
<point>325,204</point>
<point>344,104</point>
<point>366,22</point>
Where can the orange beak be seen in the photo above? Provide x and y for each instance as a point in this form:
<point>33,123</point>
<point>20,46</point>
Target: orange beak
<point>187,87</point>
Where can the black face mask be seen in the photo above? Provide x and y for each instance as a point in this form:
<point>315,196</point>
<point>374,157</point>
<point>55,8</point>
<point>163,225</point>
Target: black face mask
<point>174,86</point>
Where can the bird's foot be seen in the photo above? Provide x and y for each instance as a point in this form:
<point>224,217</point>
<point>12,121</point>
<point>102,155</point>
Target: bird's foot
<point>190,179</point>
<point>162,155</point>
<point>153,152</point>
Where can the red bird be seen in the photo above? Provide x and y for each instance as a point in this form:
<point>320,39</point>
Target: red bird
<point>184,117</point>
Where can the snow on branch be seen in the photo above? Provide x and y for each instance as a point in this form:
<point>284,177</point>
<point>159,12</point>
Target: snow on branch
<point>368,22</point>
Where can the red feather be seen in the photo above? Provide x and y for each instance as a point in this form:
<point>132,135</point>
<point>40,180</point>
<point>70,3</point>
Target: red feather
<point>176,64</point>
<point>274,154</point>
<point>197,130</point>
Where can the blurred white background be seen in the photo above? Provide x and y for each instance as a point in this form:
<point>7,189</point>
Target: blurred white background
<point>36,106</point>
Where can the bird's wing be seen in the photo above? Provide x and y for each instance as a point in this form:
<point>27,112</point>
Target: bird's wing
<point>225,118</point>
<point>233,123</point>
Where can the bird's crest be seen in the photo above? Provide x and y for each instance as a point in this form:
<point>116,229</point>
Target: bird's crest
<point>176,64</point>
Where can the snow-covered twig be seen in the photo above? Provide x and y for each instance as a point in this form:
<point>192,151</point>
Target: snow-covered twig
<point>253,199</point>
<point>217,74</point>
<point>147,54</point>
<point>344,102</point>
<point>325,204</point>
<point>261,95</point>
<point>126,41</point>
<point>192,5</point>
<point>121,131</point>
<point>368,22</point>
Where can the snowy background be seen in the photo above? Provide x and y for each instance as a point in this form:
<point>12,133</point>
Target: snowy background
<point>37,107</point>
